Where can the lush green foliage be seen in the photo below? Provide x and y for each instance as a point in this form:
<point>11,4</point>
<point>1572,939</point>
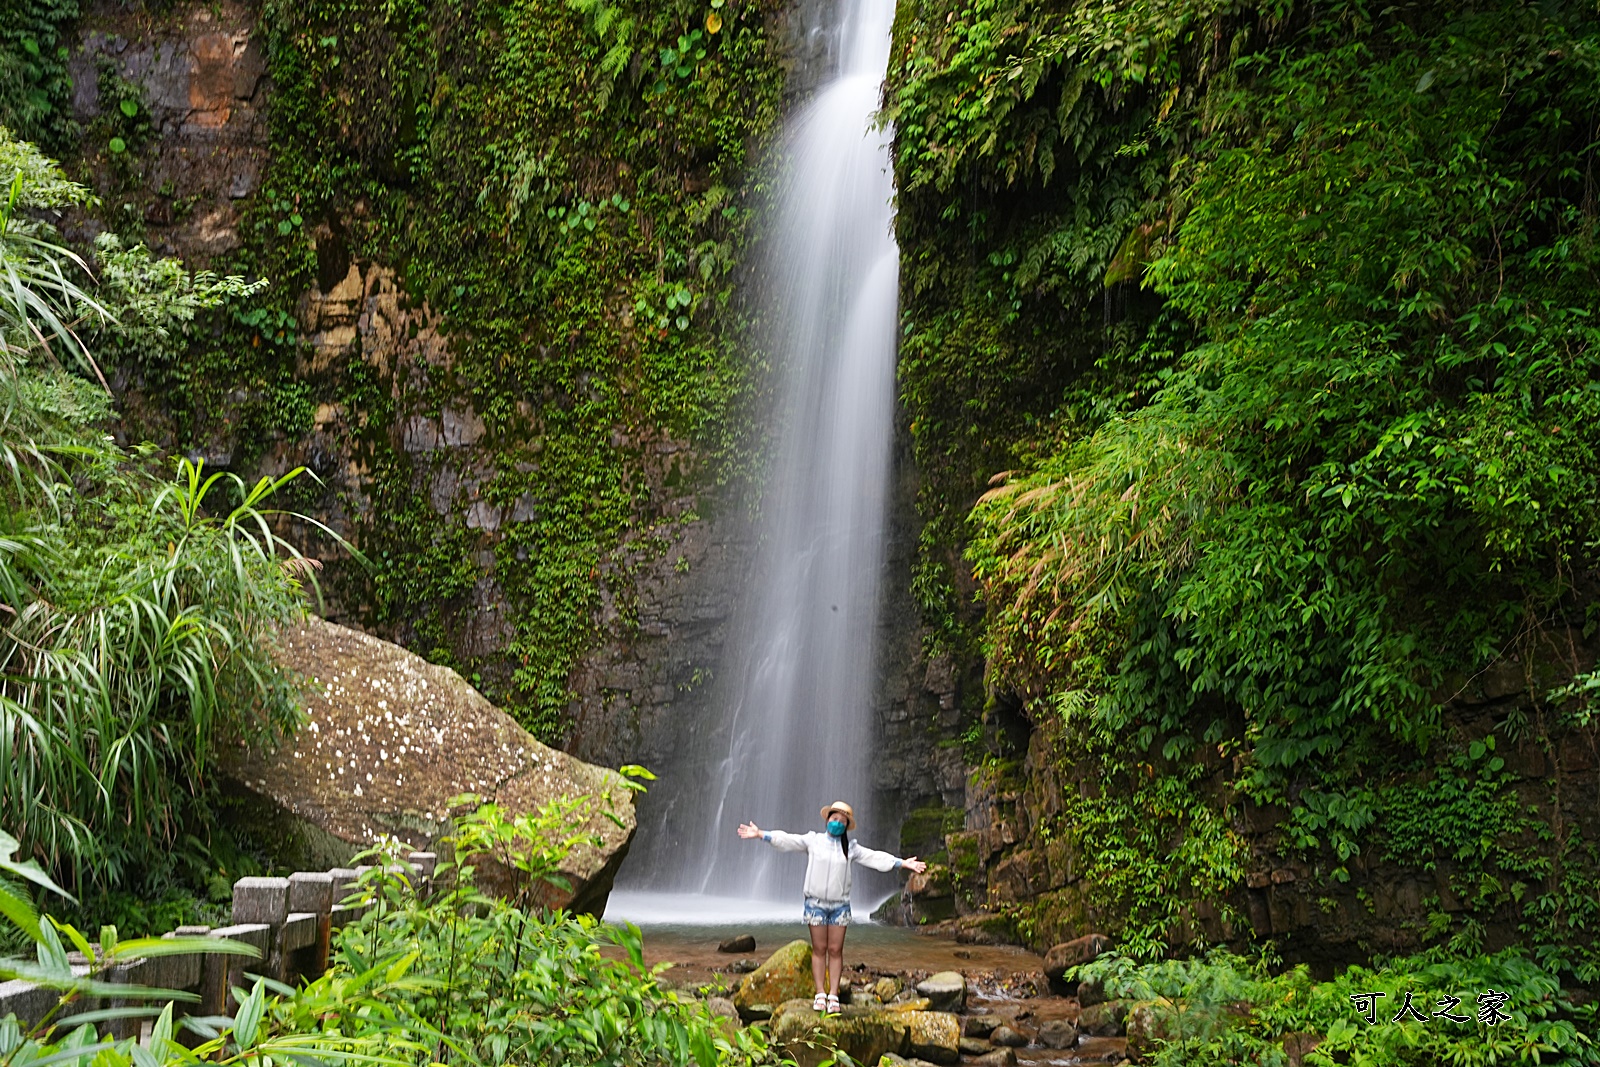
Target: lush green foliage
<point>1303,303</point>
<point>502,985</point>
<point>139,610</point>
<point>460,978</point>
<point>1228,1009</point>
<point>34,86</point>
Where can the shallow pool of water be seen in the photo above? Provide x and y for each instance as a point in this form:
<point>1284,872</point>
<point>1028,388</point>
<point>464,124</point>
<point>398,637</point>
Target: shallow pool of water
<point>685,929</point>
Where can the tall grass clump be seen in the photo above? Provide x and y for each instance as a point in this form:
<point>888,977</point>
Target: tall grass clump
<point>136,610</point>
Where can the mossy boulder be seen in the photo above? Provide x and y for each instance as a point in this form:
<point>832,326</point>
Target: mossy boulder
<point>866,1036</point>
<point>1104,1020</point>
<point>809,1038</point>
<point>933,1035</point>
<point>388,740</point>
<point>784,975</point>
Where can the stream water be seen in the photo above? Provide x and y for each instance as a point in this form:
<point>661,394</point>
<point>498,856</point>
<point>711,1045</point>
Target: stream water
<point>1003,980</point>
<point>794,728</point>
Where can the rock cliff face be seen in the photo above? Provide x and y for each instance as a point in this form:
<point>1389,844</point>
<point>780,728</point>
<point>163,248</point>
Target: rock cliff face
<point>202,78</point>
<point>407,440</point>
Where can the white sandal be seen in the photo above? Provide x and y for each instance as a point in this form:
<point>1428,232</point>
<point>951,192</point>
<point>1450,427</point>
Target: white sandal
<point>833,1003</point>
<point>819,1002</point>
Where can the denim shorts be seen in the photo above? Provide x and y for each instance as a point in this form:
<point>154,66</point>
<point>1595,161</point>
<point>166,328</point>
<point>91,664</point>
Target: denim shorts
<point>826,913</point>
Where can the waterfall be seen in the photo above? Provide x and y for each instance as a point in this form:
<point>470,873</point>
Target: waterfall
<point>795,726</point>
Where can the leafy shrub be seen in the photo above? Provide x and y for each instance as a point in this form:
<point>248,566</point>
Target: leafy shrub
<point>138,609</point>
<point>1230,1009</point>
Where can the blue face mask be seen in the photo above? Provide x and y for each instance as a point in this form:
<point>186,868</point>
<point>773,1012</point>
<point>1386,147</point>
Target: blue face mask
<point>835,827</point>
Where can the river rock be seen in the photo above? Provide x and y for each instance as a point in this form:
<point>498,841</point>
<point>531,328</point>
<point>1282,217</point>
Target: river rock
<point>743,966</point>
<point>785,975</point>
<point>1000,1057</point>
<point>1104,1020</point>
<point>974,1046</point>
<point>946,991</point>
<point>886,989</point>
<point>1058,1033</point>
<point>388,740</point>
<point>1149,1023</point>
<point>908,1003</point>
<point>980,1025</point>
<point>934,1035</point>
<point>793,1005</point>
<point>866,1037</point>
<point>722,1009</point>
<point>1072,953</point>
<point>1004,1035</point>
<point>742,943</point>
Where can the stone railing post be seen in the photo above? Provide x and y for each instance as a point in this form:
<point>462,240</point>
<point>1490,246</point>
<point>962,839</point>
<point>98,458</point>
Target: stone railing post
<point>310,905</point>
<point>425,864</point>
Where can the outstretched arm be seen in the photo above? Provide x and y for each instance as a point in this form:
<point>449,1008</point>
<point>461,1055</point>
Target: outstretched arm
<point>776,838</point>
<point>884,861</point>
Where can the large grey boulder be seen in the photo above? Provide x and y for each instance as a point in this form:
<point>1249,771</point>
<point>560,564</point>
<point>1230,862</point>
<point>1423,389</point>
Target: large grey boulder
<point>389,739</point>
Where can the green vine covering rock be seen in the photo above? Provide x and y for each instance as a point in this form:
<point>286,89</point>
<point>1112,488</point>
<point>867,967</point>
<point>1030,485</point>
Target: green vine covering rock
<point>1302,301</point>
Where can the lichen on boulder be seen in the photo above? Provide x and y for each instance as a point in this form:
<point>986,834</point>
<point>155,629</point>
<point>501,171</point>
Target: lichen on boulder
<point>389,740</point>
<point>784,975</point>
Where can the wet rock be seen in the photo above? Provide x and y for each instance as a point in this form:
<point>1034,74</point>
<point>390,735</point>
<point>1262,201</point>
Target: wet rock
<point>934,1035</point>
<point>1058,1033</point>
<point>809,1038</point>
<point>908,1001</point>
<point>929,897</point>
<point>785,975</point>
<point>946,991</point>
<point>1145,1026</point>
<point>886,989</point>
<point>980,1025</point>
<point>892,1060</point>
<point>722,1009</point>
<point>1072,953</point>
<point>755,1013</point>
<point>1004,1035</point>
<point>863,1000</point>
<point>974,1046</point>
<point>742,943</point>
<point>1300,1044</point>
<point>1000,1057</point>
<point>793,1005</point>
<point>743,966</point>
<point>1104,1020</point>
<point>388,741</point>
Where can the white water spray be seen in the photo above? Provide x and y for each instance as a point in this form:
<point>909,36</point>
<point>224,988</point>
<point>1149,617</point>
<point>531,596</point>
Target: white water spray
<point>795,728</point>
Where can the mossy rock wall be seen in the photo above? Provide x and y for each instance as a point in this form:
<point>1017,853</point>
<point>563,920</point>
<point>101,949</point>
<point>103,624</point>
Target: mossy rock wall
<point>509,327</point>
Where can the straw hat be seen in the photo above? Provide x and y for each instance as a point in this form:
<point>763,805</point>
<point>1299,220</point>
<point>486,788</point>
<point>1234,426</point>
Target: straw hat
<point>844,809</point>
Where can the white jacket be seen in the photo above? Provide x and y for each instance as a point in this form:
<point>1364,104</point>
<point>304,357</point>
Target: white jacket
<point>827,869</point>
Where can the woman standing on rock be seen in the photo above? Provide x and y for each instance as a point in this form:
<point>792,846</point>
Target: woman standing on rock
<point>827,888</point>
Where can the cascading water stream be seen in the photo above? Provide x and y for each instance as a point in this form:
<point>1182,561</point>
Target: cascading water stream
<point>795,727</point>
